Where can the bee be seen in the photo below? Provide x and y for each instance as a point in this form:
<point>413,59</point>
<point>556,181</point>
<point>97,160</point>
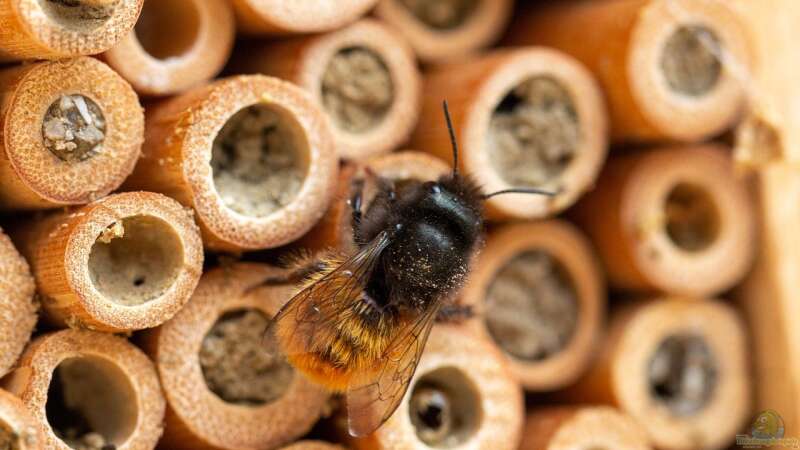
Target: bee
<point>360,322</point>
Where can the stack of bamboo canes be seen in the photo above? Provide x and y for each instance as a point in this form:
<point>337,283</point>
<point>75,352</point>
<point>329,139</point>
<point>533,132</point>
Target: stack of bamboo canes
<point>155,153</point>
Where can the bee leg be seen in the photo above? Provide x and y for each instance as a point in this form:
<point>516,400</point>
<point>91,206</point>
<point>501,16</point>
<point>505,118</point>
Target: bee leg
<point>356,201</point>
<point>455,313</point>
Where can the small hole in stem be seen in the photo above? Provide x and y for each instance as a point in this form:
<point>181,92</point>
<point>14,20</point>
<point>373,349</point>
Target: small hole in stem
<point>80,15</point>
<point>692,218</point>
<point>442,14</point>
<point>140,251</point>
<point>690,60</point>
<point>357,89</point>
<point>683,374</point>
<point>182,20</point>
<point>444,408</point>
<point>236,364</point>
<point>91,404</point>
<point>534,134</point>
<point>259,160</point>
<point>532,306</point>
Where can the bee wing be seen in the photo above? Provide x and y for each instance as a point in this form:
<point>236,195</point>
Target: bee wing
<point>324,302</point>
<point>371,404</point>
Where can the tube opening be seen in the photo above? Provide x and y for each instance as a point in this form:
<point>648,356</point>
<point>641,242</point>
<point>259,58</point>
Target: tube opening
<point>444,408</point>
<point>442,14</point>
<point>259,160</point>
<point>180,17</point>
<point>9,438</point>
<point>690,60</point>
<point>683,374</point>
<point>357,89</point>
<point>136,260</point>
<point>74,128</point>
<point>532,306</point>
<point>692,217</point>
<point>534,133</point>
<point>91,404</point>
<point>82,15</point>
<point>236,364</point>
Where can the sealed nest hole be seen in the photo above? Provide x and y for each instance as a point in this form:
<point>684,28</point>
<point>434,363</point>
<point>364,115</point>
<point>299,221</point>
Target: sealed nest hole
<point>442,14</point>
<point>444,408</point>
<point>91,404</point>
<point>9,438</point>
<point>682,374</point>
<point>532,306</point>
<point>135,260</point>
<point>357,89</point>
<point>74,128</point>
<point>79,14</point>
<point>237,365</point>
<point>161,15</point>
<point>534,133</point>
<point>692,218</point>
<point>690,60</point>
<point>259,159</point>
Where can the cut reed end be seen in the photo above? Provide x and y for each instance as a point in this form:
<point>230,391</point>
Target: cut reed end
<point>374,111</point>
<point>195,50</point>
<point>53,29</point>
<point>700,59</point>
<point>335,230</point>
<point>461,396</point>
<point>679,367</point>
<point>531,118</point>
<point>126,262</point>
<point>17,303</point>
<point>89,389</point>
<point>231,383</point>
<point>18,429</point>
<point>73,131</point>
<point>268,17</point>
<point>442,30</point>
<point>684,223</point>
<point>585,427</point>
<point>252,155</point>
<point>541,300</point>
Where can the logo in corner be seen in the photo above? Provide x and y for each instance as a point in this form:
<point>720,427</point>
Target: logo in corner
<point>767,430</point>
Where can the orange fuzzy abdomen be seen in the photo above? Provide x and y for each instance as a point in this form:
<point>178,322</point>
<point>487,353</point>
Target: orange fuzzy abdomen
<point>341,355</point>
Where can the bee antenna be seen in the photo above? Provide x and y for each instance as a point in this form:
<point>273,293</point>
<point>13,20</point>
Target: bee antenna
<point>453,141</point>
<point>522,191</point>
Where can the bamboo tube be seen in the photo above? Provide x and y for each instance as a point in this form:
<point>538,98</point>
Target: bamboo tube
<point>310,16</point>
<point>227,385</point>
<point>589,427</point>
<point>53,29</point>
<point>538,294</point>
<point>769,296</point>
<point>363,76</point>
<point>126,262</point>
<point>671,220</point>
<point>17,304</point>
<point>313,445</point>
<point>335,230</point>
<point>18,429</point>
<point>70,132</point>
<point>88,390</point>
<point>444,30</point>
<point>672,70</point>
<point>462,395</point>
<point>194,51</point>
<point>252,155</point>
<point>676,365</point>
<point>528,117</point>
